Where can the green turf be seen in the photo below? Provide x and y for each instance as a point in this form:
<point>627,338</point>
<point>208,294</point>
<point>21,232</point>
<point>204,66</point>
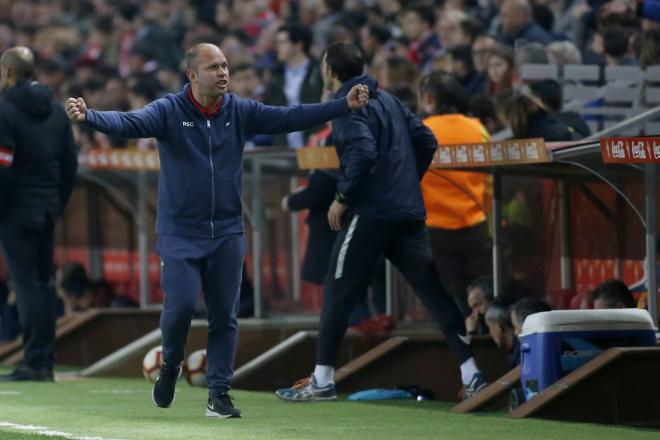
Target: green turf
<point>122,409</point>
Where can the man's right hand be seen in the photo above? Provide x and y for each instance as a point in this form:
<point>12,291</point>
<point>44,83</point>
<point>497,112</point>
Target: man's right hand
<point>76,109</point>
<point>472,323</point>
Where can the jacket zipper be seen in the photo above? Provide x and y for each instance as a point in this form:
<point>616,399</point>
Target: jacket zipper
<point>208,124</point>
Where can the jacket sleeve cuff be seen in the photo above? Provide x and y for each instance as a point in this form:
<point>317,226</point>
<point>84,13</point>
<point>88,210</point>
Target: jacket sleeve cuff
<point>90,118</point>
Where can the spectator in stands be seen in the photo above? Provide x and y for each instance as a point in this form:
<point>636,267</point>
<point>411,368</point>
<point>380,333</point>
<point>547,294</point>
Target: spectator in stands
<point>616,47</point>
<point>246,82</point>
<point>373,40</point>
<point>500,328</point>
<point>500,69</point>
<point>479,298</point>
<point>481,50</point>
<point>377,213</point>
<point>563,52</point>
<point>38,162</point>
<point>528,117</point>
<point>483,108</point>
<point>454,201</point>
<point>528,53</point>
<point>650,48</point>
<point>80,293</point>
<point>296,80</point>
<point>329,15</point>
<point>523,308</point>
<point>473,82</point>
<point>551,95</point>
<point>517,23</point>
<point>51,73</point>
<point>453,29</point>
<point>406,94</point>
<point>396,70</point>
<point>417,23</point>
<point>612,294</point>
<point>199,246</point>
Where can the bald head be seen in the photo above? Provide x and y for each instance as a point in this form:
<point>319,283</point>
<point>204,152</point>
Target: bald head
<point>19,61</point>
<point>208,73</point>
<point>203,50</point>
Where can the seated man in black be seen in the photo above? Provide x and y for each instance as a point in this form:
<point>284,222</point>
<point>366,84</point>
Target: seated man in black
<point>612,294</point>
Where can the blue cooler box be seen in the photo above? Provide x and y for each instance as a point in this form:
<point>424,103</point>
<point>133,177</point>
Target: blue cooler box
<point>552,344</point>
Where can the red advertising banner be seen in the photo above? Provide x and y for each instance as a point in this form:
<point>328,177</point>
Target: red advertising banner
<point>630,150</point>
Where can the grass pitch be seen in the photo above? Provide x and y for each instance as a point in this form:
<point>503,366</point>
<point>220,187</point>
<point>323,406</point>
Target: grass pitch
<point>103,409</point>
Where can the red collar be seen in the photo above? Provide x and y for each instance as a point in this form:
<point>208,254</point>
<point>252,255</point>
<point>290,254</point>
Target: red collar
<point>208,113</point>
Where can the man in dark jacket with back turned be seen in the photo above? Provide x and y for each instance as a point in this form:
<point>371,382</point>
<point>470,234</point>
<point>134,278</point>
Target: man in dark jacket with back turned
<point>201,133</point>
<point>37,171</point>
<point>383,152</point>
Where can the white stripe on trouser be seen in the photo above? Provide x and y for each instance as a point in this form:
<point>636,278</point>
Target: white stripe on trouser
<point>344,248</point>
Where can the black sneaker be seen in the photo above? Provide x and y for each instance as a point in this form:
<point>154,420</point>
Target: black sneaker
<point>24,373</point>
<point>477,384</point>
<point>163,392</point>
<point>221,407</point>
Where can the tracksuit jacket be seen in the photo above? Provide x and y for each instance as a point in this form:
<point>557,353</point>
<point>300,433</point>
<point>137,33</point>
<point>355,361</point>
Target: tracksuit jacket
<point>201,160</point>
<point>375,156</point>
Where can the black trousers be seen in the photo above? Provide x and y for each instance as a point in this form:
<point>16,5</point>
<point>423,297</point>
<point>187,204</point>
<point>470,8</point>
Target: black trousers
<point>357,248</point>
<point>29,255</point>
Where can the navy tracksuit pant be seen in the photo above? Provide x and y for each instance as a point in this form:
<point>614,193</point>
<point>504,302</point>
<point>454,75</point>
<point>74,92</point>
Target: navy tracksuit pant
<point>212,266</point>
<point>360,243</point>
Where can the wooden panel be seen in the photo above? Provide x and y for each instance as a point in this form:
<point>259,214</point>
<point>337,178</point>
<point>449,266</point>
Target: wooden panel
<point>318,158</point>
<point>617,387</point>
<point>494,392</point>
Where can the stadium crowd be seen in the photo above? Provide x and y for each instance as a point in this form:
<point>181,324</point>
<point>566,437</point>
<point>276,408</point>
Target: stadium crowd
<point>123,54</point>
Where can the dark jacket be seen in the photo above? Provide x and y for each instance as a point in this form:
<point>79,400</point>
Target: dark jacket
<point>38,158</point>
<point>317,198</point>
<point>532,33</point>
<point>550,128</point>
<point>383,151</point>
<point>576,123</point>
<point>649,9</point>
<point>201,160</point>
<point>310,92</point>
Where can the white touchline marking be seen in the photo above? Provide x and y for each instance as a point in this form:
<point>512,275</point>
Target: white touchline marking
<point>115,391</point>
<point>9,393</point>
<point>42,430</point>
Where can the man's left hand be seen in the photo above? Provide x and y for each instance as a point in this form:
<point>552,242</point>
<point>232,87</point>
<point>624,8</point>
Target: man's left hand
<point>358,97</point>
<point>335,213</point>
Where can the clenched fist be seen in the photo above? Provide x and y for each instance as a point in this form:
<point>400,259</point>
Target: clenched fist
<point>76,109</point>
<point>358,97</point>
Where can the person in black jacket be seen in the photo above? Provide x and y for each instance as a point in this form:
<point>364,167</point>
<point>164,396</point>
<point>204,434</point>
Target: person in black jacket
<point>38,164</point>
<point>296,80</point>
<point>383,150</point>
<point>317,197</point>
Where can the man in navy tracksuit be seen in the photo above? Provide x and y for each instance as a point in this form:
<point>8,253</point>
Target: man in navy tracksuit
<point>201,132</point>
<point>383,151</point>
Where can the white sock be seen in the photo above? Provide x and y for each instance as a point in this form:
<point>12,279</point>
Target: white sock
<point>324,375</point>
<point>468,369</point>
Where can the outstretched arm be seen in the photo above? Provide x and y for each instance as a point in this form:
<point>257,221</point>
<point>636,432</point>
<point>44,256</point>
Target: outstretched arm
<point>265,119</point>
<point>144,123</point>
